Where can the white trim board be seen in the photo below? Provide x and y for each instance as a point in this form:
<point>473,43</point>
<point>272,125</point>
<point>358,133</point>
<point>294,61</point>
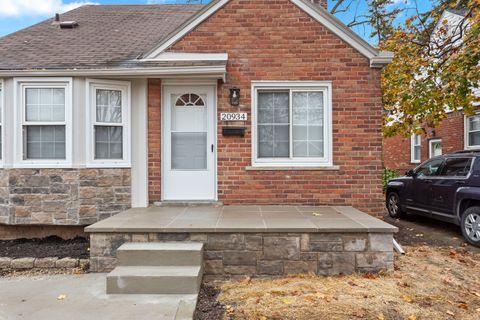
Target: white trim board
<point>2,122</point>
<point>377,58</point>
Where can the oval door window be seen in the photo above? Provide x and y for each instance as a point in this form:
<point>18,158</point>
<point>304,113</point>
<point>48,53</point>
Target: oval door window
<point>189,132</point>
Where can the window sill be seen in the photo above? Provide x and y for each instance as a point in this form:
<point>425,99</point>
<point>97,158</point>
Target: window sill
<point>293,168</point>
<point>109,165</point>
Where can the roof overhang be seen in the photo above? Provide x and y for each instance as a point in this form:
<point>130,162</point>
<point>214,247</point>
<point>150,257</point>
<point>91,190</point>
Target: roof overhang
<point>211,72</point>
<point>377,59</point>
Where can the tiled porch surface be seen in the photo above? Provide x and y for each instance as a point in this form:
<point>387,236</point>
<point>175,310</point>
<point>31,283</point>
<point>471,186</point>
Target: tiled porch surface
<point>201,218</point>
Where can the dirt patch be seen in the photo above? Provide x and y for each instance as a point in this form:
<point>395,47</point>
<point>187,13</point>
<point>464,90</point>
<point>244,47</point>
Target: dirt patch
<point>48,247</point>
<point>208,307</point>
<point>416,230</point>
<point>428,283</point>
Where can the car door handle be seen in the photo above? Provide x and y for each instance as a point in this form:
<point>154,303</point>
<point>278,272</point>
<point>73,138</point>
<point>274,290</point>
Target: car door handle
<point>428,181</point>
<point>460,182</point>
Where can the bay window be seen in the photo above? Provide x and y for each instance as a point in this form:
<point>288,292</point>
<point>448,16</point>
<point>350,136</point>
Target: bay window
<point>293,124</point>
<point>1,121</point>
<point>43,106</point>
<point>108,123</point>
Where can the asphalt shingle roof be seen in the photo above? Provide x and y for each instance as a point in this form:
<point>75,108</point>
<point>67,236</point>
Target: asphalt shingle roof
<point>107,36</point>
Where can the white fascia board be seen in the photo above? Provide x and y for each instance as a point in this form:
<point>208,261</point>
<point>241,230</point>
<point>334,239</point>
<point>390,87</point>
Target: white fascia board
<point>383,58</point>
<point>186,56</point>
<point>212,71</point>
<point>198,18</point>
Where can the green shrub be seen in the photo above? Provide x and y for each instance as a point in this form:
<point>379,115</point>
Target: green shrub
<point>387,174</point>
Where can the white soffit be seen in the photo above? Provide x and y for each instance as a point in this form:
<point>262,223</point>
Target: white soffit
<point>377,59</point>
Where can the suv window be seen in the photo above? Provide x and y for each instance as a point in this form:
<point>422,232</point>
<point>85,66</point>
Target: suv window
<point>429,168</point>
<point>456,167</point>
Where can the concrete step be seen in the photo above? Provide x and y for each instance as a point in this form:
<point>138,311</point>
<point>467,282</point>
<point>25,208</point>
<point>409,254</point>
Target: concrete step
<point>154,280</point>
<point>160,254</point>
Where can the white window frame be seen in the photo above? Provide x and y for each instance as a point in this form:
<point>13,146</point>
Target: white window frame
<point>412,149</point>
<point>20,85</point>
<point>2,122</point>
<point>295,86</point>
<point>125,87</point>
<point>430,149</point>
<point>466,133</point>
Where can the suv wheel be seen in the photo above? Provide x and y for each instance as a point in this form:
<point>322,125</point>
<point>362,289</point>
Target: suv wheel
<point>471,225</point>
<point>393,205</point>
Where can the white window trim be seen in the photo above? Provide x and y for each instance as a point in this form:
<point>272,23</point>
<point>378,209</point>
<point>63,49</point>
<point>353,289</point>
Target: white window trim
<point>125,87</point>
<point>466,132</point>
<point>412,149</point>
<point>430,149</point>
<point>2,122</point>
<point>20,84</point>
<point>326,88</point>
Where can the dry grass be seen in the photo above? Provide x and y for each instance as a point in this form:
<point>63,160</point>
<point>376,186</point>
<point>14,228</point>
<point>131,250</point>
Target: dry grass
<point>428,283</point>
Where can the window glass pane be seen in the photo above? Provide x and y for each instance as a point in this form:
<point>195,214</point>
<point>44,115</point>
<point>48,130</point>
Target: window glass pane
<point>108,142</point>
<point>474,139</point>
<point>474,123</point>
<point>456,167</point>
<point>429,168</point>
<point>189,117</point>
<point>45,104</point>
<point>1,108</point>
<point>273,125</point>
<point>44,142</point>
<point>189,151</point>
<point>416,153</point>
<point>307,108</point>
<point>436,148</point>
<point>109,106</point>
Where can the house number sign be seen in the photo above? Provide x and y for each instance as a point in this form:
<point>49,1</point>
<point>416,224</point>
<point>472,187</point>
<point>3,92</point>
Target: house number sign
<point>233,116</point>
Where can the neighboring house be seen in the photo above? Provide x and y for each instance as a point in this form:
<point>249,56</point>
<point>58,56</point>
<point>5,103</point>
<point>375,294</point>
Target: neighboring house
<point>456,132</point>
<point>123,106</point>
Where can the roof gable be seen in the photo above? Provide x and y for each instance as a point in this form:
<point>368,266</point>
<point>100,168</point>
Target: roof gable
<point>377,58</point>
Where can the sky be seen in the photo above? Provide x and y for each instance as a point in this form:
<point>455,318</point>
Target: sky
<point>19,14</point>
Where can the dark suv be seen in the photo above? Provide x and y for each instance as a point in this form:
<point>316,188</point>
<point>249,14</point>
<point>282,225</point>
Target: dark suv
<point>445,188</point>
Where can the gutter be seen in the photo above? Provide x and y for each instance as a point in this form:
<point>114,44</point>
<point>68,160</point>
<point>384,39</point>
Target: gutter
<point>218,72</point>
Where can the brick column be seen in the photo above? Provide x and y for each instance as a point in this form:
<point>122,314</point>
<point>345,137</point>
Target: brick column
<point>154,139</point>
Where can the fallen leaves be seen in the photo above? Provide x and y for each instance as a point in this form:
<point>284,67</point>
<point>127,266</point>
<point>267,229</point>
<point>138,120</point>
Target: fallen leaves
<point>450,313</point>
<point>61,297</point>
<point>407,298</point>
<point>412,317</point>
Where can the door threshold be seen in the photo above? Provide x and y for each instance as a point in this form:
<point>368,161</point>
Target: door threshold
<point>183,203</point>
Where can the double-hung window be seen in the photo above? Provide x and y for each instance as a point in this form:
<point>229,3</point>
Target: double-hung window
<point>472,132</point>
<point>416,148</point>
<point>44,137</point>
<point>1,121</point>
<point>292,124</point>
<point>108,125</point>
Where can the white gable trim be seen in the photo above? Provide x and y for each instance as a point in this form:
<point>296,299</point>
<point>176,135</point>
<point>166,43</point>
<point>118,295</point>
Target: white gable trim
<point>189,25</point>
<point>377,59</point>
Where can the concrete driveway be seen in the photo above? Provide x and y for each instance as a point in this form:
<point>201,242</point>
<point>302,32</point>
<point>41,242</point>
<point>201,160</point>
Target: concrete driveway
<point>84,298</point>
<point>416,230</point>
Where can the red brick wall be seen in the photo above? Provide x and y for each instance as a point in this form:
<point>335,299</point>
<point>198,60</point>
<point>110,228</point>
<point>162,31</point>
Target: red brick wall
<point>275,40</point>
<point>154,139</point>
<point>396,150</point>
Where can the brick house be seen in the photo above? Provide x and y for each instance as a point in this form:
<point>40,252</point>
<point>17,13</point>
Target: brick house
<point>456,132</point>
<point>241,102</point>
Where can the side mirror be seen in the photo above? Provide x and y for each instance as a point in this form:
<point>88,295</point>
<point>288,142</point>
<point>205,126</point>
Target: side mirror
<point>410,173</point>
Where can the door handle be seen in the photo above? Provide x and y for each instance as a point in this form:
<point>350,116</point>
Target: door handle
<point>460,182</point>
<point>428,181</point>
<point>212,147</point>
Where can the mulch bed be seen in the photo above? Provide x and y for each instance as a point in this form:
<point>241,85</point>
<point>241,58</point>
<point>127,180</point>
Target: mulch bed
<point>48,247</point>
<point>208,308</point>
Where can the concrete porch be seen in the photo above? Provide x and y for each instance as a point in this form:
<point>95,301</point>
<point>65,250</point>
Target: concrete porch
<point>254,240</point>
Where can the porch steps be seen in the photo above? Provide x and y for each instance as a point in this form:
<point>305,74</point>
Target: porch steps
<point>157,268</point>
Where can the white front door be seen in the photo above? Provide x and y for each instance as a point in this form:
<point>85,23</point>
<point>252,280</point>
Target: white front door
<point>189,143</point>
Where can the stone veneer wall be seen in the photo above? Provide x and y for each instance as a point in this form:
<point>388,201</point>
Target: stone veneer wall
<point>62,196</point>
<point>230,255</point>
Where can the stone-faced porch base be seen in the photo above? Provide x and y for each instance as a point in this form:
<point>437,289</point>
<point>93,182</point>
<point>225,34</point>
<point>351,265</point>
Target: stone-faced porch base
<point>255,241</point>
